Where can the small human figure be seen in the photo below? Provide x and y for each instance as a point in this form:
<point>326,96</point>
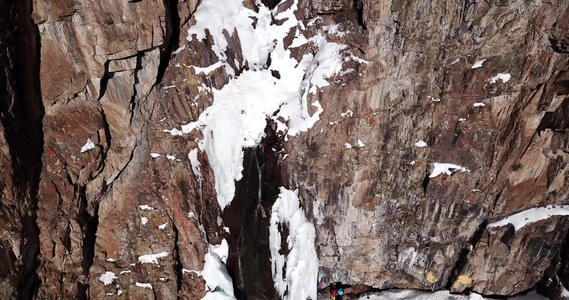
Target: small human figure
<point>340,293</point>
<point>334,294</point>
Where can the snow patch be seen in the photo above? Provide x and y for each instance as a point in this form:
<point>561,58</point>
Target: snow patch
<point>334,29</point>
<point>446,168</point>
<point>111,259</point>
<point>208,69</point>
<point>143,220</point>
<point>505,77</point>
<point>145,207</point>
<point>478,104</point>
<point>348,146</point>
<point>421,144</point>
<point>360,144</point>
<point>154,155</point>
<point>531,215</point>
<point>88,146</point>
<point>195,164</point>
<point>478,64</point>
<point>162,226</point>
<point>151,258</point>
<point>144,285</point>
<point>107,278</point>
<point>348,113</point>
<point>296,272</point>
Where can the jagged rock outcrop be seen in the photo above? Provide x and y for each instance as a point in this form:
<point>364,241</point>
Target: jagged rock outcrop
<point>101,198</point>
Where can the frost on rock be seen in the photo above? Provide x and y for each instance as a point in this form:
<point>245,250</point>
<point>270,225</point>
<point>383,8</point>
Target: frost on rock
<point>531,215</point>
<point>446,168</point>
<point>237,117</point>
<point>151,258</point>
<point>297,271</point>
<point>107,278</point>
<point>218,282</point>
<point>88,146</point>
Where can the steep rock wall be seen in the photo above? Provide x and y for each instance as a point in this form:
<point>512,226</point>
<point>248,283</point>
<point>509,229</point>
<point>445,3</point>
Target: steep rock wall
<point>382,220</point>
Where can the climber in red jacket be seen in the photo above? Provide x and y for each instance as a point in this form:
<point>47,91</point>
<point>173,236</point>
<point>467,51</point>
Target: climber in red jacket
<point>337,294</point>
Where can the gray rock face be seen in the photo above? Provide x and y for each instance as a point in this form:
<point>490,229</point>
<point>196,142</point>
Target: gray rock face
<point>381,219</point>
<point>91,87</point>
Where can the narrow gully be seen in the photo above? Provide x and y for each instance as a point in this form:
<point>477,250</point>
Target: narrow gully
<point>21,113</point>
<point>248,217</point>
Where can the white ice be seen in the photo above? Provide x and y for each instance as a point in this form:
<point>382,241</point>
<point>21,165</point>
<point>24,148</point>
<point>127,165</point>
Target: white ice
<point>144,285</point>
<point>531,215</point>
<point>505,77</point>
<point>88,146</point>
<point>446,168</point>
<point>237,117</point>
<point>195,164</point>
<point>218,282</point>
<point>421,144</point>
<point>151,258</point>
<point>301,272</point>
<point>107,278</point>
<point>478,64</point>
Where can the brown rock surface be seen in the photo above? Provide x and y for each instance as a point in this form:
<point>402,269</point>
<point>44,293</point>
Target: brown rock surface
<point>90,87</point>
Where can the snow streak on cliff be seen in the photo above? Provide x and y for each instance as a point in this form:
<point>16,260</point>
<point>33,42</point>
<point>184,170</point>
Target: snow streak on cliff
<point>238,115</point>
<point>269,83</point>
<point>295,274</point>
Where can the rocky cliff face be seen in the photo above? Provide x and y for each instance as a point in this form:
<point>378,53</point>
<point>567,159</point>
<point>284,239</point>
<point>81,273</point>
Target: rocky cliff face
<point>410,131</point>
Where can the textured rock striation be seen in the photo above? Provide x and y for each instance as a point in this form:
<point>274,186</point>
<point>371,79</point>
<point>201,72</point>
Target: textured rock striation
<point>444,118</point>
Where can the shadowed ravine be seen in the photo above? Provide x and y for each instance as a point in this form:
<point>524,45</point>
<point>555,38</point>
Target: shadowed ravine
<point>248,219</point>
